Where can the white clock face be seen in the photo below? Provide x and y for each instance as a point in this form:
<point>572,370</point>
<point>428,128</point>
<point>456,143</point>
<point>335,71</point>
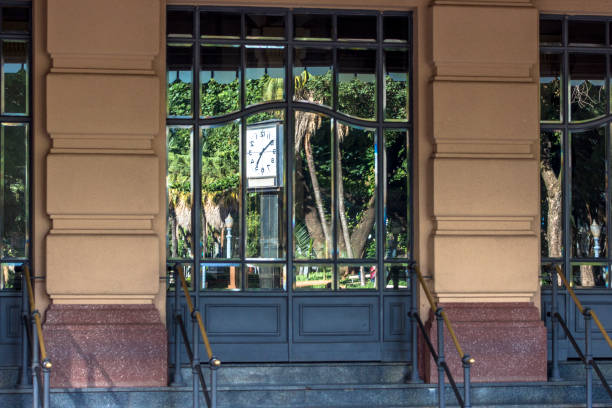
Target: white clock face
<point>261,152</point>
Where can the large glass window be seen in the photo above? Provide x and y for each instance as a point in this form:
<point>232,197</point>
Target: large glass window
<point>289,162</point>
<point>576,120</point>
<point>15,128</point>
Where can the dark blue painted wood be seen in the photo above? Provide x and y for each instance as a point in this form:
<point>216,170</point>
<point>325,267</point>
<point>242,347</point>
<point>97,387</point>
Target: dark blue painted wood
<point>10,328</point>
<point>325,327</point>
<point>600,300</point>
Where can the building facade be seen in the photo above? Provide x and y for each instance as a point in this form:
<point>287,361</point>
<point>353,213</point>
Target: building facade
<point>392,134</point>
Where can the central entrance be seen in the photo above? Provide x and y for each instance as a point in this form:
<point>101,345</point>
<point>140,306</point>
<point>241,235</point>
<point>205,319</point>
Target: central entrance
<point>288,180</point>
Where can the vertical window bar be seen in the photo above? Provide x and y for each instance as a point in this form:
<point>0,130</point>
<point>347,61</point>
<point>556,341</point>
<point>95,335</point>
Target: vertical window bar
<point>243,198</point>
<point>379,152</point>
<point>567,146</point>
<point>196,206</point>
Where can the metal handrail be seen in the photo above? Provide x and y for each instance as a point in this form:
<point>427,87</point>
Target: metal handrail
<point>587,356</point>
<point>581,308</point>
<point>434,306</point>
<point>213,362</point>
<point>38,346</point>
<point>439,358</point>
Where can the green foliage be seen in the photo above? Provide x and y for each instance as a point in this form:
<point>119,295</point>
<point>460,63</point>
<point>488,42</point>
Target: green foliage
<point>219,99</point>
<point>179,98</point>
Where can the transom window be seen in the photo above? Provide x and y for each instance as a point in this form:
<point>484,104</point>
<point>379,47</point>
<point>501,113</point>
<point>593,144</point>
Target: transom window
<point>575,80</point>
<point>289,148</point>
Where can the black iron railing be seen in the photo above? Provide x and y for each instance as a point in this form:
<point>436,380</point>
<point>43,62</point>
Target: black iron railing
<point>193,353</point>
<point>438,356</point>
<point>586,357</point>
<point>40,363</point>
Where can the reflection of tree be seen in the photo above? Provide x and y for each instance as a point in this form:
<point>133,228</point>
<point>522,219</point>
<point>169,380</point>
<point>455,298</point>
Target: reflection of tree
<point>588,100</point>
<point>353,164</point>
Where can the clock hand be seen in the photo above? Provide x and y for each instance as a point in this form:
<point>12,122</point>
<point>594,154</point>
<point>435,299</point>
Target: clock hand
<point>262,152</point>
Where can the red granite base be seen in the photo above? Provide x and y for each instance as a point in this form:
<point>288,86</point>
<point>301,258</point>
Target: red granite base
<point>106,346</point>
<point>507,340</point>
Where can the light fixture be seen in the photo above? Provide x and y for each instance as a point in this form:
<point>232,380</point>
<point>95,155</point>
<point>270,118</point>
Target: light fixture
<point>596,231</point>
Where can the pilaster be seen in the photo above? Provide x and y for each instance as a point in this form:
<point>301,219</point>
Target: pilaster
<point>104,246</point>
<point>485,164</point>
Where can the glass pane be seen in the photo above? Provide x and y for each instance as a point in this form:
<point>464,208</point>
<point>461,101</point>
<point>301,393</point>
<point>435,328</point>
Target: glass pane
<point>312,71</point>
<point>396,85</point>
<point>357,28</point>
<point>548,272</point>
<point>179,23</point>
<point>397,276</point>
<point>179,234</point>
<point>187,268</point>
<point>15,191</point>
<point>220,276</point>
<point>550,32</point>
<point>16,19</point>
<point>312,26</point>
<point>265,74</point>
<point>265,26</point>
<point>220,25</point>
<point>395,28</point>
<point>313,277</point>
<point>221,197</point>
<point>179,80</point>
<point>586,32</point>
<point>551,193</point>
<point>15,72</point>
<point>10,276</point>
<point>590,276</point>
<point>550,87</point>
<point>312,193</point>
<point>219,80</point>
<point>266,276</point>
<point>397,194</point>
<point>356,188</point>
<point>357,277</point>
<point>357,83</point>
<point>264,155</point>
<point>587,91</point>
<point>589,186</point>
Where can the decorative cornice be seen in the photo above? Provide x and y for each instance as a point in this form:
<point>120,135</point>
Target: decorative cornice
<point>482,72</point>
<point>110,143</point>
<point>484,3</point>
<point>484,149</point>
<point>495,225</point>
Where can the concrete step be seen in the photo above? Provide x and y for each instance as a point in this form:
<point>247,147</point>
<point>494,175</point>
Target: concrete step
<point>574,370</point>
<point>307,373</point>
<point>561,394</point>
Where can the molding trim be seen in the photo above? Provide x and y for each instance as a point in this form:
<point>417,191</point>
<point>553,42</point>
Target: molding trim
<point>445,148</point>
<point>487,226</point>
<point>112,143</point>
<point>102,299</point>
<point>101,224</point>
<point>483,72</point>
<point>100,62</point>
<point>484,3</point>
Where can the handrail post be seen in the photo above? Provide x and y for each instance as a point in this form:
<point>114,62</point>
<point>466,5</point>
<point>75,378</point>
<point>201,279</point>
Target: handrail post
<point>35,363</point>
<point>554,375</point>
<point>414,290</point>
<point>46,369</point>
<point>213,364</point>
<point>588,356</point>
<point>25,313</point>
<point>196,361</point>
<point>177,378</point>
<point>440,327</point>
<point>467,363</point>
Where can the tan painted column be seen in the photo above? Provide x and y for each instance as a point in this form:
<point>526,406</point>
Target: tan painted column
<point>486,191</point>
<point>103,250</point>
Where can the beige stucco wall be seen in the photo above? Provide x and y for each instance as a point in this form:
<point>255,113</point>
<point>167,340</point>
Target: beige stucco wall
<point>99,145</point>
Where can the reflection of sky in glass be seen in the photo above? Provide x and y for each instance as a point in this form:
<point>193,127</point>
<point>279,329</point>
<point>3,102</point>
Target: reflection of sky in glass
<point>14,68</point>
<point>183,76</point>
<point>222,77</point>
